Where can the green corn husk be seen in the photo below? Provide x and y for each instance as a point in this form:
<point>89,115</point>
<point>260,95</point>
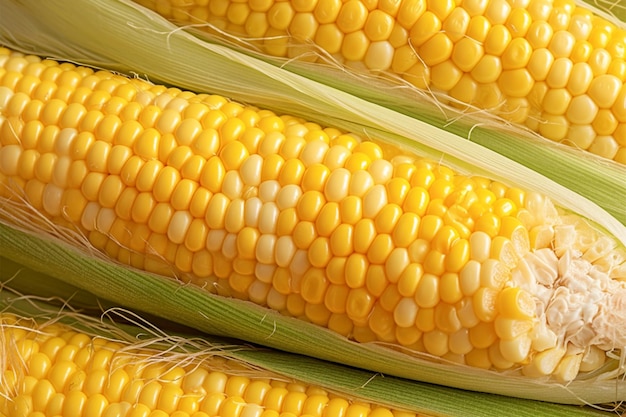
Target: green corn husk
<point>149,45</point>
<point>140,42</point>
<point>53,301</point>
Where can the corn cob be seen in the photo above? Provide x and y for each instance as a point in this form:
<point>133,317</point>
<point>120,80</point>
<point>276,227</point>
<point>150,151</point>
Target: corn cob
<point>372,242</point>
<point>552,66</point>
<point>52,369</point>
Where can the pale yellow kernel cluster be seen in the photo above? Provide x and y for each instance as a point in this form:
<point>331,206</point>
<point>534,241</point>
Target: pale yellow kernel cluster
<point>58,371</point>
<point>308,221</point>
<point>551,65</point>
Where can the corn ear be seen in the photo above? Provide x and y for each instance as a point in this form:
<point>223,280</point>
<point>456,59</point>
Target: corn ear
<point>514,348</point>
<point>364,252</point>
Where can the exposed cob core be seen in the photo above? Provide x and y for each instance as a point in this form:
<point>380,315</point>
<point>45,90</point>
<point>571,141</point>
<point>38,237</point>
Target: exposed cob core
<point>54,370</point>
<point>550,65</point>
<point>365,239</point>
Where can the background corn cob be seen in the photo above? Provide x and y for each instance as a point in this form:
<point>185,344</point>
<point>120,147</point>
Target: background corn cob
<point>394,299</point>
<point>555,67</point>
<point>51,368</point>
<point>285,91</point>
<point>66,363</point>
